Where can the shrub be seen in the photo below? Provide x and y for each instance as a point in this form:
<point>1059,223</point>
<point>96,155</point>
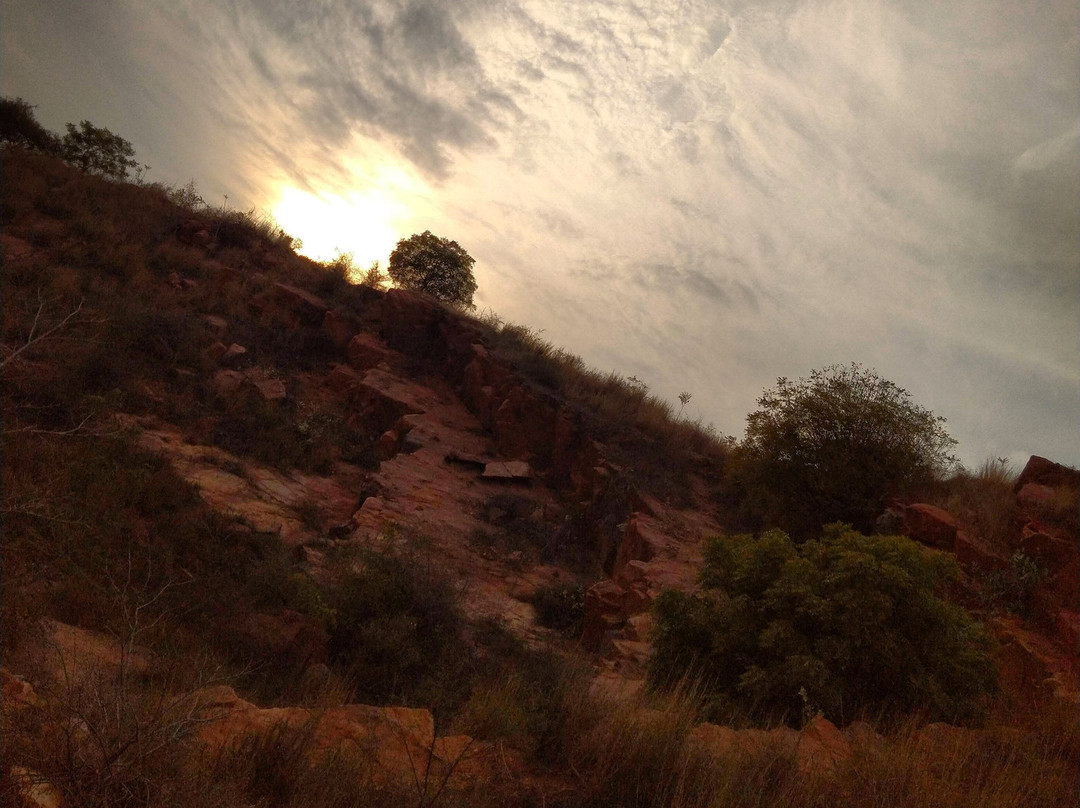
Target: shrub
<point>560,606</point>
<point>834,447</point>
<point>398,631</point>
<point>18,125</point>
<point>846,624</point>
<point>437,266</point>
<point>97,150</point>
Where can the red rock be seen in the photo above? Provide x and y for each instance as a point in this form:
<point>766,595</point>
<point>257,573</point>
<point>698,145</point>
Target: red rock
<point>288,637</point>
<point>310,308</point>
<point>338,328</point>
<point>1034,495</point>
<point>639,626</point>
<point>1031,666</point>
<point>215,351</point>
<point>973,553</point>
<point>1050,551</point>
<point>366,351</point>
<point>603,613</point>
<point>342,379</point>
<point>821,748</point>
<point>508,471</point>
<point>233,354</point>
<point>931,525</point>
<point>632,573</point>
<point>400,740</point>
<point>410,321</point>
<point>270,389</point>
<point>222,275</point>
<point>226,383</point>
<point>215,326</point>
<point>640,541</point>
<point>388,445</point>
<point>1045,472</point>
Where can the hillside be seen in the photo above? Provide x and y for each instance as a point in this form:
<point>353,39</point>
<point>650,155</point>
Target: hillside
<point>274,538</point>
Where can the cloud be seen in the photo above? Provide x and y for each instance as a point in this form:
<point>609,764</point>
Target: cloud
<point>705,194</point>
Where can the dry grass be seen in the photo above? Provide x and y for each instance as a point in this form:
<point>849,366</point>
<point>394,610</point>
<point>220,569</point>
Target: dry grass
<point>984,501</point>
<point>643,431</point>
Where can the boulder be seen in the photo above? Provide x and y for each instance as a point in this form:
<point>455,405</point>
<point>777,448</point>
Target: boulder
<point>233,355</point>
<point>388,445</point>
<point>931,525</point>
<point>508,471</point>
<point>221,275</point>
<point>215,351</point>
<point>1047,546</point>
<point>291,305</point>
<point>366,351</point>
<point>410,322</point>
<point>973,553</point>
<point>1041,471</point>
<point>640,541</point>
<point>399,742</point>
<point>338,328</point>
<point>1034,495</point>
<point>604,613</point>
<point>343,379</point>
<point>215,326</point>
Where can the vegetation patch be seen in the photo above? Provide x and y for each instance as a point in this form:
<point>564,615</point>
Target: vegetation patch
<point>844,625</point>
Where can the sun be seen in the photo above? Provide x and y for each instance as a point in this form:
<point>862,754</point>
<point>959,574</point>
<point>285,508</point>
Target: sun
<point>361,222</point>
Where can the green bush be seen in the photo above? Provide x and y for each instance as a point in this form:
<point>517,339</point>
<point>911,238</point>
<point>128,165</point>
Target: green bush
<point>97,150</point>
<point>397,631</point>
<point>437,266</point>
<point>844,625</point>
<point>835,447</point>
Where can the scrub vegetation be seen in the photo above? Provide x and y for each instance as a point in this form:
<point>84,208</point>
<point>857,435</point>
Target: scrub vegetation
<point>105,535</point>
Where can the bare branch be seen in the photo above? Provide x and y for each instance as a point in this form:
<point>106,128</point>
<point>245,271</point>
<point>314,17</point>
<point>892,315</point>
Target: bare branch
<point>34,338</point>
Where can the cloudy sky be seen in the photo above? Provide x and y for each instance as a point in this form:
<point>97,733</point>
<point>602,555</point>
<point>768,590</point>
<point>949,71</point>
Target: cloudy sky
<point>705,195</point>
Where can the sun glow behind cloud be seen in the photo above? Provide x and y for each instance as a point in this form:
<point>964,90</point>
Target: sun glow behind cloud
<point>364,223</point>
<point>328,224</point>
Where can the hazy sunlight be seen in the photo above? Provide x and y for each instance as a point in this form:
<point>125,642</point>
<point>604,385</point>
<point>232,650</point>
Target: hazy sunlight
<point>361,223</point>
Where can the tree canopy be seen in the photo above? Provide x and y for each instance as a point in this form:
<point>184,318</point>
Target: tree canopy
<point>843,624</point>
<point>18,125</point>
<point>437,266</point>
<point>96,149</point>
<point>834,447</point>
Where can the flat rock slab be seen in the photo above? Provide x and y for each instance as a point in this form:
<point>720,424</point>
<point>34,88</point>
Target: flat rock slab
<point>468,460</point>
<point>509,471</point>
<point>267,499</point>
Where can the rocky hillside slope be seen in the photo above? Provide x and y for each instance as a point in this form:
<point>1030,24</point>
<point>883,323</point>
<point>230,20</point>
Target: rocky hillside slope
<point>281,428</point>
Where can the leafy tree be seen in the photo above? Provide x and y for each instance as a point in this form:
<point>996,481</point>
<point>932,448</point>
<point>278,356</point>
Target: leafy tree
<point>19,126</point>
<point>843,624</point>
<point>97,150</point>
<point>437,266</point>
<point>834,447</point>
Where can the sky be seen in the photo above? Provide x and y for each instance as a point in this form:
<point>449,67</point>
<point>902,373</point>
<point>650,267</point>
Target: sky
<point>704,195</point>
